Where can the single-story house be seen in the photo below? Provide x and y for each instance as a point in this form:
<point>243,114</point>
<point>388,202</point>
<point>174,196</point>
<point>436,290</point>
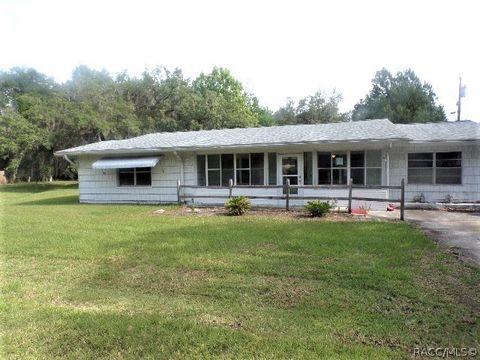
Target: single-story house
<point>438,162</point>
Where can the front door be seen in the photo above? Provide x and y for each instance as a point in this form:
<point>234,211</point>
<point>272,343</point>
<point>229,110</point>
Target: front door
<point>291,167</point>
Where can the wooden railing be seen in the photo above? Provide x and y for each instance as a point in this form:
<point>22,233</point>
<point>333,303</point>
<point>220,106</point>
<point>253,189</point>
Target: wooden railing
<point>288,196</point>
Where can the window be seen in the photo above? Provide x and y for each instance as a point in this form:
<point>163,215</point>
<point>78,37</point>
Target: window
<point>435,168</point>
<point>373,167</point>
<point>272,168</point>
<point>308,168</point>
<point>357,171</point>
<point>448,168</point>
<point>332,168</point>
<point>135,176</point>
<point>201,167</point>
<point>420,168</point>
<point>250,169</point>
<point>366,167</point>
<point>217,170</point>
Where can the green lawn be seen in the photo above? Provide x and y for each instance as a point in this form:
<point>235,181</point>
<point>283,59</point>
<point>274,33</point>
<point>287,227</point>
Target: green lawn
<point>101,281</point>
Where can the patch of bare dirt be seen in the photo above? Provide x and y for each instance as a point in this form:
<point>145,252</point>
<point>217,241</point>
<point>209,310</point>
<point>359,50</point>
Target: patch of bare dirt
<point>355,336</point>
<point>214,320</point>
<point>255,212</point>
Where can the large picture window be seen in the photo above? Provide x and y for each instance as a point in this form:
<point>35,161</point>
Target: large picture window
<point>332,168</point>
<point>365,167</point>
<point>250,169</point>
<point>135,176</point>
<point>435,168</point>
<point>218,169</point>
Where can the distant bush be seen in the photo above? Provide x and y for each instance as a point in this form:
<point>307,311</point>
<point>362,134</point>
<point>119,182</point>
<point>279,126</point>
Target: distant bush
<point>237,205</point>
<point>318,208</point>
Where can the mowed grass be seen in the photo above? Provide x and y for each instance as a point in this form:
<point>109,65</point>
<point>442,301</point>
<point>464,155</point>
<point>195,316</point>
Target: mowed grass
<point>113,282</point>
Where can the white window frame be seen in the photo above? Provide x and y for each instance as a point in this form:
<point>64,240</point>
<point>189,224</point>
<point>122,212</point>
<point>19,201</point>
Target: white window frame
<point>434,168</point>
<point>349,166</point>
<point>235,168</point>
<point>134,178</point>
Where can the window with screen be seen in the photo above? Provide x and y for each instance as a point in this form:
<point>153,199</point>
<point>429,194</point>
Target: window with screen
<point>420,168</point>
<point>435,168</point>
<point>448,168</point>
<point>366,167</point>
<point>272,168</point>
<point>332,168</point>
<point>135,176</point>
<point>218,169</point>
<point>308,168</point>
<point>250,169</point>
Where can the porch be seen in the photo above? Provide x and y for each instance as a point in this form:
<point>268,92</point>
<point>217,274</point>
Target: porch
<point>374,197</point>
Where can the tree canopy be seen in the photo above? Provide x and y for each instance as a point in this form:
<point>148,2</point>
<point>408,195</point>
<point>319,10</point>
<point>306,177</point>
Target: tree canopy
<point>402,98</point>
<point>316,109</point>
<point>39,116</point>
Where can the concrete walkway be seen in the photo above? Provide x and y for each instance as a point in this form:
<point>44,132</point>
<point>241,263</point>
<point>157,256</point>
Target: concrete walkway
<point>453,229</point>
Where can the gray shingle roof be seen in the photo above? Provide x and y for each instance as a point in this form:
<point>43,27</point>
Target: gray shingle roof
<point>444,131</point>
<point>370,130</point>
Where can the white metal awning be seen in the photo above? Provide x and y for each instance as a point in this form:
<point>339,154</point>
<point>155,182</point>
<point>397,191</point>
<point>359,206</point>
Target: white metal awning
<point>130,162</point>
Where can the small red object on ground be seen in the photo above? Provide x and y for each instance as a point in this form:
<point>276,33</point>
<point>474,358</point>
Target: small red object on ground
<point>391,207</point>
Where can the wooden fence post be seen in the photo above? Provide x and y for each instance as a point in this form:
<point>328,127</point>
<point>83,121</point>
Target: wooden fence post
<point>287,188</point>
<point>230,188</point>
<point>178,192</point>
<point>350,196</point>
<point>402,201</point>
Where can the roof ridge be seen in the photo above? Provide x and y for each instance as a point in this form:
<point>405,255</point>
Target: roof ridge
<point>263,127</point>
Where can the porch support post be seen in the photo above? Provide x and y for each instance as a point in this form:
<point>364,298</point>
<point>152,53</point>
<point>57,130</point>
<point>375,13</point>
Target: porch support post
<point>287,187</point>
<point>402,201</point>
<point>230,188</point>
<point>178,192</point>
<point>350,196</point>
<point>388,167</point>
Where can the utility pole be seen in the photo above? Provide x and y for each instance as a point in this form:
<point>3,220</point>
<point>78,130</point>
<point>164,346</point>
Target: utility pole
<point>461,94</point>
<point>459,103</point>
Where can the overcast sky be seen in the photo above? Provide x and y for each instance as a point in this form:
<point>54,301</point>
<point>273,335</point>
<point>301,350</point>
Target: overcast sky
<point>277,49</point>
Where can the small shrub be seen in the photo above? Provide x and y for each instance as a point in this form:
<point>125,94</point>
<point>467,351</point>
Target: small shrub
<point>237,205</point>
<point>419,198</point>
<point>318,208</point>
<point>365,207</point>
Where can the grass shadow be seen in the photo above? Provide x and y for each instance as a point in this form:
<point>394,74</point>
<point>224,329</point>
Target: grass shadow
<point>38,187</point>
<point>60,200</point>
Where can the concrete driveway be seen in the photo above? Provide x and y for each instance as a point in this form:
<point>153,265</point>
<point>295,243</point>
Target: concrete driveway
<point>453,229</point>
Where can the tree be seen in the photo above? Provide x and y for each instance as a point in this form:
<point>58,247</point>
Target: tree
<point>402,98</point>
<point>39,116</point>
<point>316,109</point>
<point>263,115</point>
<point>18,139</point>
<point>164,100</point>
<point>100,112</point>
<point>223,101</point>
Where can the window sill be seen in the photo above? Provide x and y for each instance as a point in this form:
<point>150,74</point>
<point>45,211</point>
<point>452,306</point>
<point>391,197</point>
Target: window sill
<point>423,184</point>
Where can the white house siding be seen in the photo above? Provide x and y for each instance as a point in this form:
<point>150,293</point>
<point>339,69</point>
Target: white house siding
<point>469,190</point>
<point>100,186</point>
